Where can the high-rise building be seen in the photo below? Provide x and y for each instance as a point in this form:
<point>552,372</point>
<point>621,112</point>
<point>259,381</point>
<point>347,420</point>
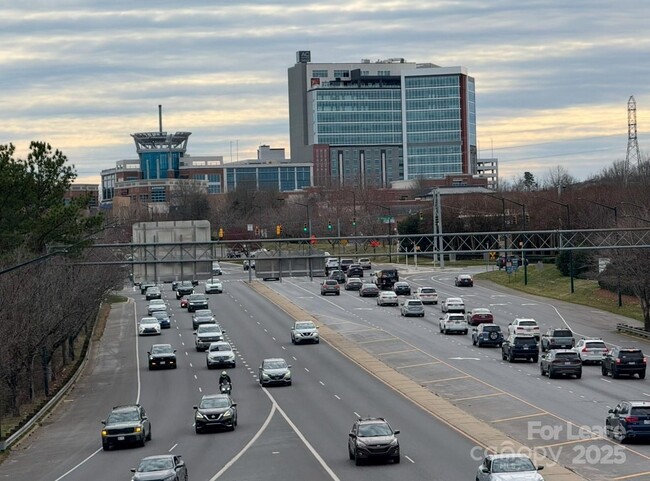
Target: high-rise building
<point>375,123</point>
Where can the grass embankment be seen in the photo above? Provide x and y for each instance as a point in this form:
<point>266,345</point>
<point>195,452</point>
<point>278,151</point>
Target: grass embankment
<point>547,281</point>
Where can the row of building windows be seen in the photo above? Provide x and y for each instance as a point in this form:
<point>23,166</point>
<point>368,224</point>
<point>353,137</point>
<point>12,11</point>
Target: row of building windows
<point>432,104</point>
<point>341,73</point>
<point>429,93</point>
<point>359,127</point>
<point>434,126</point>
<point>364,116</point>
<point>423,138</point>
<point>431,81</point>
<point>447,114</point>
<point>359,94</point>
<point>380,105</point>
<point>357,139</point>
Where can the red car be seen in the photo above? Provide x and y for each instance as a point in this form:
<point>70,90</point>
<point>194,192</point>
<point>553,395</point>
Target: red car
<point>184,302</point>
<point>480,315</point>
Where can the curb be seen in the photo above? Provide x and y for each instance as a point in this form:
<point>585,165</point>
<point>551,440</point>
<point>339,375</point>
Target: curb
<point>479,432</point>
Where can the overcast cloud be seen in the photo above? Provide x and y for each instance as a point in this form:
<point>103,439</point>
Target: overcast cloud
<point>552,77</point>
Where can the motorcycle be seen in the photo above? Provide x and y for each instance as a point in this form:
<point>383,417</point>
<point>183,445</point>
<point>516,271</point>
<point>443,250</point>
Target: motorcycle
<point>225,388</point>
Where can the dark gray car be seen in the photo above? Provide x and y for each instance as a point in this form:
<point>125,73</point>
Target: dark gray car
<point>162,467</point>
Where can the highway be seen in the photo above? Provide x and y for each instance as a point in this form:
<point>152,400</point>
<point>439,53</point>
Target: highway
<point>295,432</point>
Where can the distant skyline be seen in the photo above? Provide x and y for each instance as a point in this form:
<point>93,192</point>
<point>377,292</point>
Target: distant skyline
<point>552,79</point>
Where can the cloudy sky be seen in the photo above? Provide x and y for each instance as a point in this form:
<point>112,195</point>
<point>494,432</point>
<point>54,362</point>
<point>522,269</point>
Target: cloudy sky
<point>553,78</point>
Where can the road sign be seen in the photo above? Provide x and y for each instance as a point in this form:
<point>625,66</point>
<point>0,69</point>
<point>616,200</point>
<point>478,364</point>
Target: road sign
<point>493,255</point>
<point>312,239</point>
<point>344,242</point>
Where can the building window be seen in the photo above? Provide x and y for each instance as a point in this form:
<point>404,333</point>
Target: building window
<point>383,73</point>
<point>341,73</point>
<point>158,194</point>
<point>319,73</point>
<point>144,197</point>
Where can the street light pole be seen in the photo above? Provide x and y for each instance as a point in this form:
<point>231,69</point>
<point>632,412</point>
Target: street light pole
<point>311,277</point>
<point>390,219</point>
<point>568,224</point>
<point>523,244</point>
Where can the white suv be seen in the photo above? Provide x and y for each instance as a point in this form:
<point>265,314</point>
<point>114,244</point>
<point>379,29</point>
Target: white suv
<point>427,295</point>
<point>453,323</point>
<point>453,304</point>
<point>524,326</point>
<point>412,307</point>
<point>591,350</point>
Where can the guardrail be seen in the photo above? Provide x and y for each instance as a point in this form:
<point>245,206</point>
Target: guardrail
<point>636,331</point>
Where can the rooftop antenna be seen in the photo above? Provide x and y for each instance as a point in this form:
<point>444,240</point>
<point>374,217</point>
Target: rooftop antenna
<point>160,118</point>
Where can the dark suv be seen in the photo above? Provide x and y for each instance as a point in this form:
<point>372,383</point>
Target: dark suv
<point>184,288</point>
<point>126,424</point>
<point>557,339</point>
<point>520,346</point>
<point>355,270</point>
<point>487,334</point>
<point>338,276</point>
<point>373,438</point>
<point>624,360</point>
<point>196,302</point>
<point>561,361</point>
<point>330,286</point>
<point>345,263</point>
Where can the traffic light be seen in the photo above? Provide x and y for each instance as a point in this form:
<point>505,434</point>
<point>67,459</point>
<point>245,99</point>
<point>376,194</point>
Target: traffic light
<point>278,229</point>
<point>220,232</point>
<point>329,225</point>
<point>304,228</point>
<point>421,215</point>
<point>257,230</point>
<point>354,222</point>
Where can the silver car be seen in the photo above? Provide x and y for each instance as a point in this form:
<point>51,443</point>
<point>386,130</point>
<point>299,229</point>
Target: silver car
<point>304,331</point>
<point>511,467</point>
<point>206,334</point>
<point>213,285</point>
<point>275,371</point>
<point>387,298</point>
<point>412,307</point>
<point>220,353</point>
<point>156,305</point>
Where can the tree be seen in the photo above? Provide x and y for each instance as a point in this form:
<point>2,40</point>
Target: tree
<point>558,178</point>
<point>529,181</point>
<point>189,201</point>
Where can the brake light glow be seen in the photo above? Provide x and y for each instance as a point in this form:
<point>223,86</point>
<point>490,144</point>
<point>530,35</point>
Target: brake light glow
<point>631,419</point>
<point>618,361</point>
<point>584,349</point>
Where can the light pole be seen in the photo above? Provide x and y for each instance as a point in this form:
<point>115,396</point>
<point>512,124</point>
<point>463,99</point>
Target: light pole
<point>615,210</point>
<point>311,277</point>
<point>390,223</point>
<point>568,225</point>
<point>523,259</point>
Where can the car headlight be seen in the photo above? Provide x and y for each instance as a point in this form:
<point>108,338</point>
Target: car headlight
<point>393,442</point>
<point>287,374</point>
<point>360,442</point>
<point>231,356</point>
<point>228,413</point>
<point>199,415</point>
<point>137,429</point>
<point>265,376</point>
<point>104,432</point>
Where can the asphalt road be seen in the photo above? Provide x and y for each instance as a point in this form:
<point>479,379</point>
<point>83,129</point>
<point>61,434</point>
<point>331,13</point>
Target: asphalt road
<point>295,432</point>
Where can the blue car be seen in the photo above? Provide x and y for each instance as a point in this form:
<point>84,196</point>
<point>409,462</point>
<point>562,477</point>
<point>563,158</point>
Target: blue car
<point>628,420</point>
<point>487,335</point>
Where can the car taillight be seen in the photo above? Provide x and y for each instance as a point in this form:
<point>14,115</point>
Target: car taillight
<point>584,349</point>
<point>606,350</point>
<point>631,419</point>
<point>645,360</point>
<point>618,361</point>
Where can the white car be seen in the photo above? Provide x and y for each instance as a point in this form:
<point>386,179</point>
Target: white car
<point>304,331</point>
<point>149,326</point>
<point>412,307</point>
<point>213,285</point>
<point>524,326</point>
<point>216,269</point>
<point>511,467</point>
<point>365,263</point>
<point>220,353</point>
<point>427,295</point>
<point>156,305</point>
<point>591,350</point>
<point>453,304</point>
<point>453,323</point>
<point>387,298</point>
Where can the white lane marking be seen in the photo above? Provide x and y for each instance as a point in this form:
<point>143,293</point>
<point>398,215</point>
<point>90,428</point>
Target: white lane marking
<point>337,397</point>
<point>248,445</point>
<point>284,348</point>
<point>195,377</point>
<point>172,448</point>
<point>606,380</point>
<point>200,389</point>
<point>191,365</point>
<point>77,466</point>
<point>406,457</point>
<point>273,338</point>
<point>645,394</point>
<point>306,369</point>
<point>321,383</point>
<point>294,358</point>
<point>357,414</point>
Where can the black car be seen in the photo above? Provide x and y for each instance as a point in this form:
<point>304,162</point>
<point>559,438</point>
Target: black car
<point>184,288</point>
<point>402,288</point>
<point>162,356</point>
<point>373,438</point>
<point>355,270</point>
<point>196,302</point>
<point>561,361</point>
<point>215,411</point>
<point>487,335</point>
<point>464,280</point>
<point>520,346</point>
<point>624,361</point>
<point>164,466</point>
<point>144,285</point>
<point>127,424</point>
<point>338,276</point>
<point>629,419</point>
<point>557,339</point>
<point>202,316</point>
<point>345,263</point>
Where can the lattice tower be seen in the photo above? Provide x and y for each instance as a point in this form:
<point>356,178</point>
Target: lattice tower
<point>633,154</point>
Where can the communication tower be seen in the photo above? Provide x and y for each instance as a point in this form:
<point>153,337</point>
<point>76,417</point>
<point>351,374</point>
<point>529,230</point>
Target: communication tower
<point>632,142</point>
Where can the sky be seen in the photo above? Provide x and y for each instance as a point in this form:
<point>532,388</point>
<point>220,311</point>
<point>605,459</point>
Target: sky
<point>553,78</point>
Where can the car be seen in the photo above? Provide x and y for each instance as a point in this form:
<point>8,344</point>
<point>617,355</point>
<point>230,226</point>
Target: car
<point>220,353</point>
<point>345,263</point>
<point>206,334</point>
<point>162,466</point>
<point>453,323</point>
<point>215,411</point>
<point>144,285</point>
<point>506,261</point>
<point>153,292</point>
<point>126,424</point>
<point>560,361</point>
<point>304,331</point>
<point>162,356</point>
<point>156,305</point>
<point>184,288</point>
<point>373,438</point>
<point>511,467</point>
<point>213,285</point>
<point>355,270</point>
<point>369,290</point>
<point>412,307</point>
<point>520,346</point>
<point>233,254</point>
<point>330,286</point>
<point>402,288</point>
<point>453,304</point>
<point>174,285</point>
<point>427,295</point>
<point>524,326</point>
<point>480,315</point>
<point>365,263</point>
<point>274,371</point>
<point>338,276</point>
<point>628,420</point>
<point>353,284</point>
<point>487,335</point>
<point>387,298</point>
<point>626,361</point>
<point>216,269</point>
<point>203,316</point>
<point>591,350</point>
<point>331,264</point>
<point>149,326</point>
<point>557,338</point>
<point>464,280</point>
<point>163,319</point>
<point>184,302</point>
<point>196,302</point>
<point>249,265</point>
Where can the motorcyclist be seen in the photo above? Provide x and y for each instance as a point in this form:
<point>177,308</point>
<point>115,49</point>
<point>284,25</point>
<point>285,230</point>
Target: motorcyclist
<point>224,378</point>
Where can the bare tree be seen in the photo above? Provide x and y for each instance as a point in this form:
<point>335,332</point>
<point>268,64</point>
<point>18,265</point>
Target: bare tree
<point>558,178</point>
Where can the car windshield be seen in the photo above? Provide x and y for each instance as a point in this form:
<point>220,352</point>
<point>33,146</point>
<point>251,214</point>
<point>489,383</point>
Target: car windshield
<point>566,355</point>
<point>214,403</point>
<point>527,323</point>
<point>305,325</point>
<point>481,311</point>
<point>160,315</point>
<point>154,302</point>
<point>512,465</point>
<point>640,411</point>
<point>370,430</point>
<point>595,345</point>
<point>149,320</point>
<point>161,349</point>
<point>526,341</point>
<point>155,464</point>
<point>562,333</point>
<point>196,297</point>
<point>413,303</point>
<point>208,328</point>
<point>123,417</point>
<point>427,290</point>
<point>214,281</point>
<point>491,328</point>
<point>457,318</point>
<point>275,364</point>
<point>203,313</point>
<point>220,347</point>
<point>185,284</point>
<point>369,286</point>
<point>631,355</point>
